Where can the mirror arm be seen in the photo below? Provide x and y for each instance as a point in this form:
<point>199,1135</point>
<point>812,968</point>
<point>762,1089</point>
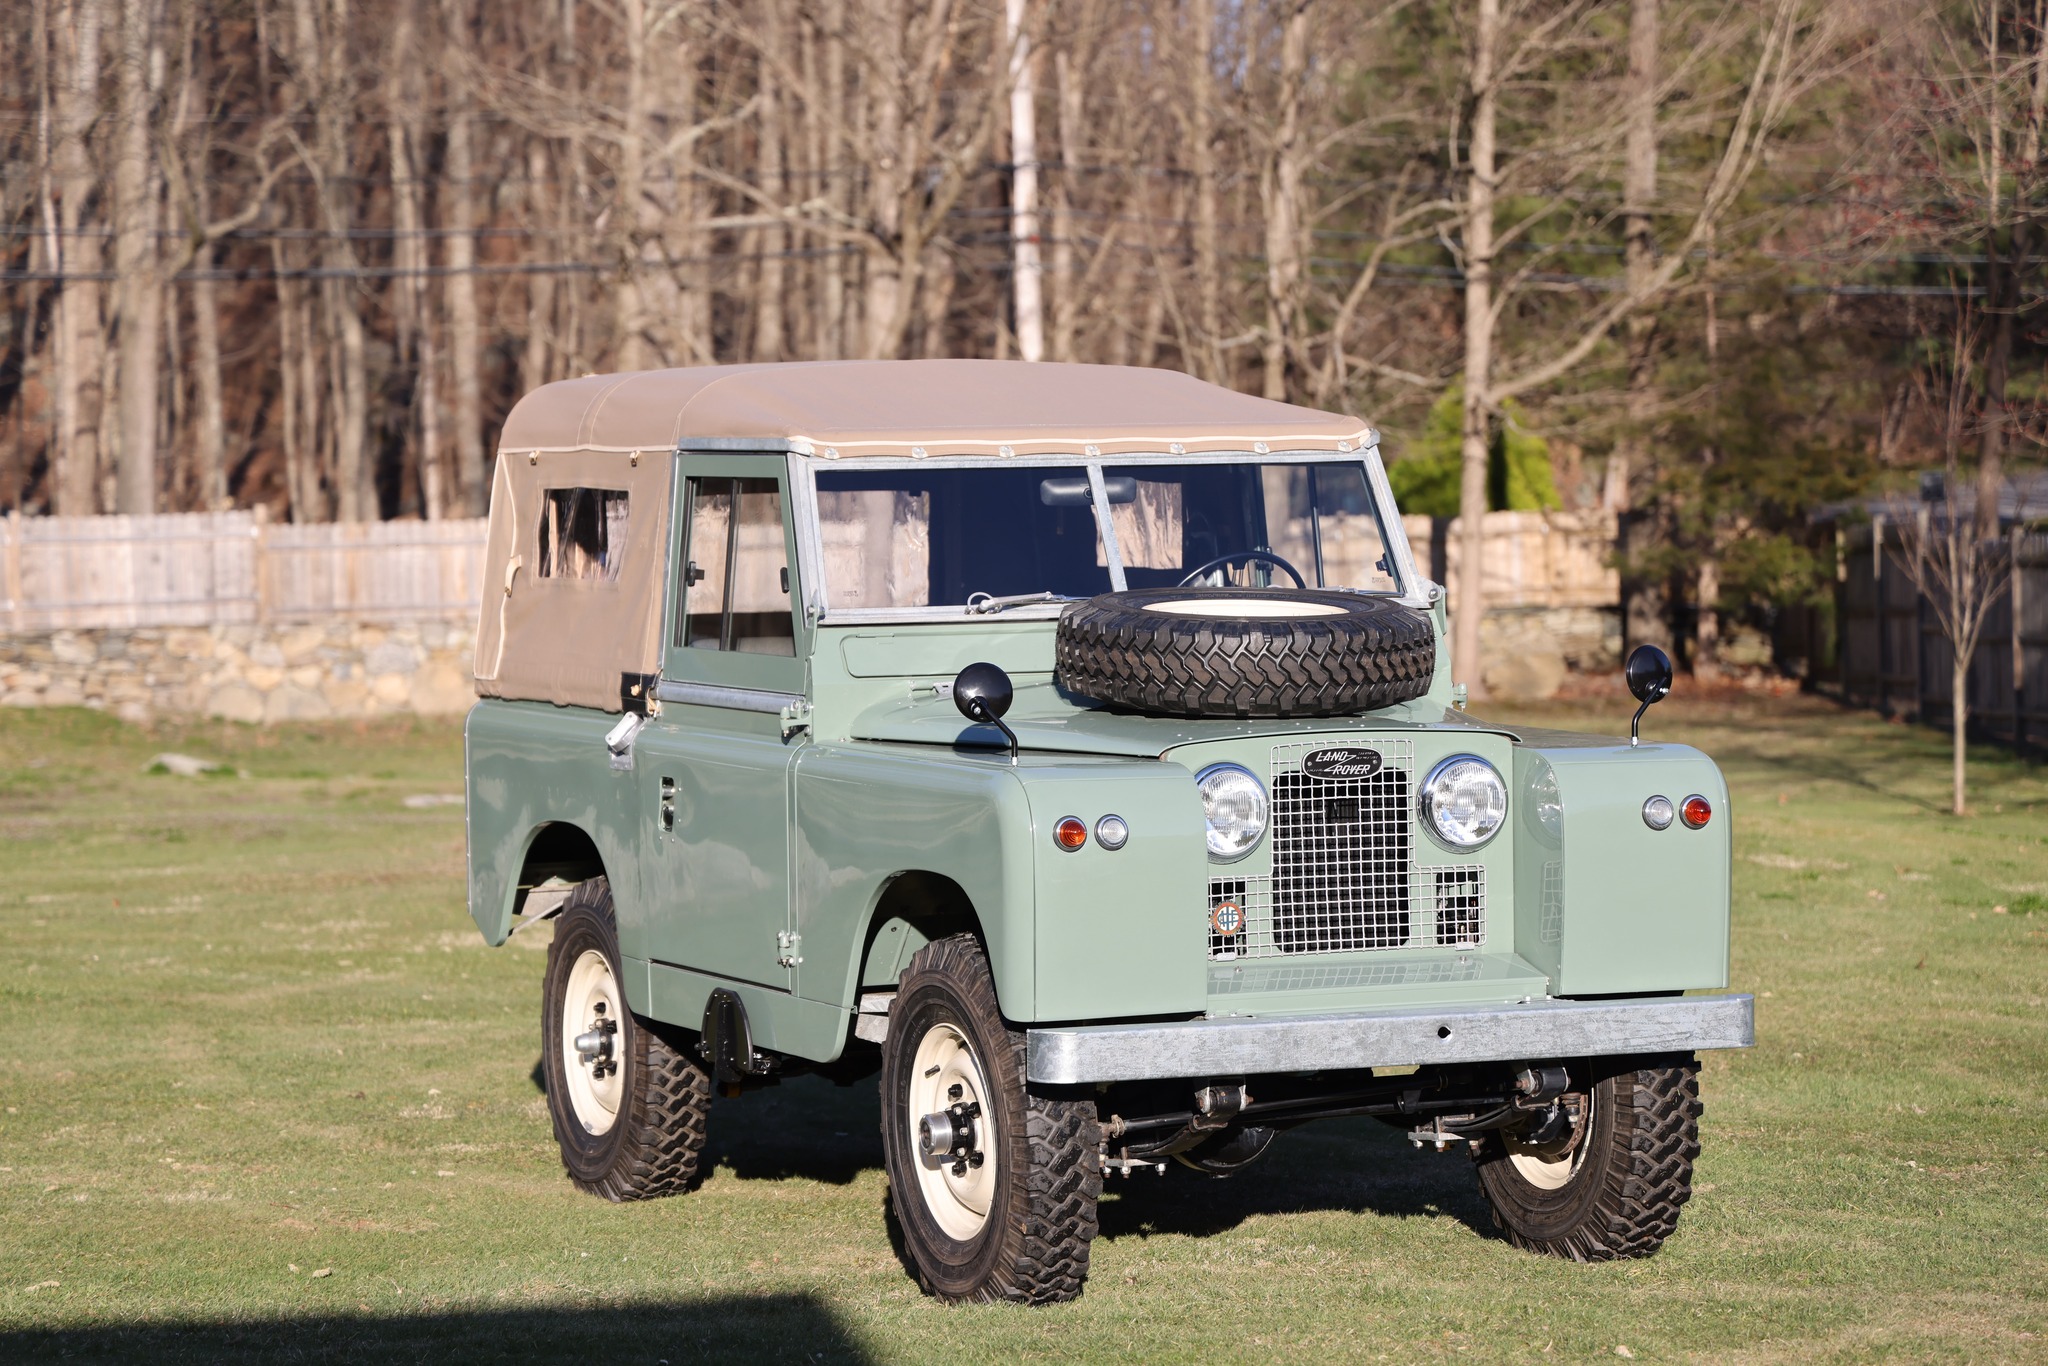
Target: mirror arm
<point>978,710</point>
<point>1637,719</point>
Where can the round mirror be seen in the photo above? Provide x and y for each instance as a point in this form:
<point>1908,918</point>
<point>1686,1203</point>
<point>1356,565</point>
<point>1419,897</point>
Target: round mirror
<point>984,684</point>
<point>1648,673</point>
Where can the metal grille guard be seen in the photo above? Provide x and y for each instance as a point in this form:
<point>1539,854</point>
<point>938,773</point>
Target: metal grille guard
<point>1526,1031</point>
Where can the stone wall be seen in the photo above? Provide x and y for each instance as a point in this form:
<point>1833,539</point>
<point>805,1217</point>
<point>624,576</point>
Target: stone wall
<point>315,672</point>
<point>245,673</point>
<point>1528,652</point>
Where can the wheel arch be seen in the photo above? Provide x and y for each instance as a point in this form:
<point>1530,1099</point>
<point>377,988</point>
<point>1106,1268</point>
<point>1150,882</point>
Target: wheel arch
<point>552,849</point>
<point>911,908</point>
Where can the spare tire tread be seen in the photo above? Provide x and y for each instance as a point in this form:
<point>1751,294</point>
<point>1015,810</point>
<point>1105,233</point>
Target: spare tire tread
<point>1117,648</point>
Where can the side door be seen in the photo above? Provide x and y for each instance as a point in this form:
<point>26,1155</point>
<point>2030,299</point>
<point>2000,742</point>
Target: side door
<point>715,767</point>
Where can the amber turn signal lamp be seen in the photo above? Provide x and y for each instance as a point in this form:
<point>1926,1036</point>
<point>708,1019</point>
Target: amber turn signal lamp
<point>1696,812</point>
<point>1070,834</point>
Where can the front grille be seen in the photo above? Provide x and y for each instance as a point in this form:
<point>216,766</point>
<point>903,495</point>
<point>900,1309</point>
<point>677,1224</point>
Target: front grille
<point>1343,877</point>
<point>1340,854</point>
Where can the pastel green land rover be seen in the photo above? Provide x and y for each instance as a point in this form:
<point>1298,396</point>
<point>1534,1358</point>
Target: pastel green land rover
<point>1074,746</point>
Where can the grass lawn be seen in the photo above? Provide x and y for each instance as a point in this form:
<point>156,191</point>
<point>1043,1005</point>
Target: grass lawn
<point>264,1094</point>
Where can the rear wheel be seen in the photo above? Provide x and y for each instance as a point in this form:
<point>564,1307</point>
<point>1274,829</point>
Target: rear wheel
<point>994,1187</point>
<point>628,1108</point>
<point>1612,1187</point>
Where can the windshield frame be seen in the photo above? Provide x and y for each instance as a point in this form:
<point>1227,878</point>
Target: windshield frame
<point>1411,588</point>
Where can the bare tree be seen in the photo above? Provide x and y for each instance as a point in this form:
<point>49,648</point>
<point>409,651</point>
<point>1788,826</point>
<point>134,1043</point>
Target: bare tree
<point>1956,556</point>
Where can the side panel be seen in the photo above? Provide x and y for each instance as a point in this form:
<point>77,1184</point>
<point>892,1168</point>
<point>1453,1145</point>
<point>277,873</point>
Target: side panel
<point>1634,909</point>
<point>865,814</point>
<point>529,764</point>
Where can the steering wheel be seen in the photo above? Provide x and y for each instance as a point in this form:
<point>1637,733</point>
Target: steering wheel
<point>1249,558</point>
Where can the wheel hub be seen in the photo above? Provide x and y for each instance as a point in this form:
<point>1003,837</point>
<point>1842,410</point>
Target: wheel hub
<point>592,1008</point>
<point>948,1137</point>
<point>956,1165</point>
<point>1559,1149</point>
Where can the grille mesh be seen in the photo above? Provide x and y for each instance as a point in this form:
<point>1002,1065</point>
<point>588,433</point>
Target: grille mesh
<point>1343,877</point>
<point>1340,854</point>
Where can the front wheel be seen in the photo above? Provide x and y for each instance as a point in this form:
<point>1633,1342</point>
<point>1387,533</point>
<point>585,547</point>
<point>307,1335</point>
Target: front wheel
<point>994,1187</point>
<point>1612,1186</point>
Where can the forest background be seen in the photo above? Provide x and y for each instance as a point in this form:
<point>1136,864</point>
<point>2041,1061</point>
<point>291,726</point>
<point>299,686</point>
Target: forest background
<point>1704,265</point>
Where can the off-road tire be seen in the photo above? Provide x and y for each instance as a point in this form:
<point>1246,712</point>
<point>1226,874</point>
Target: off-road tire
<point>1624,1197</point>
<point>1033,1249</point>
<point>654,1146</point>
<point>1255,661</point>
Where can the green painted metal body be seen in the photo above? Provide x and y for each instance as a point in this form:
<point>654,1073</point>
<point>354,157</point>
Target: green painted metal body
<point>801,864</point>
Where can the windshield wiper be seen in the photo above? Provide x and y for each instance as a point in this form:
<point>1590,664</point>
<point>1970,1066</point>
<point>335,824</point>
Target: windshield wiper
<point>981,603</point>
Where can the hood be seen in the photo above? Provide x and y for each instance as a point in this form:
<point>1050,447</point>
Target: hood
<point>1050,721</point>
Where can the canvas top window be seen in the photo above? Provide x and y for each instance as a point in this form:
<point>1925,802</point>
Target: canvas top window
<point>582,534</point>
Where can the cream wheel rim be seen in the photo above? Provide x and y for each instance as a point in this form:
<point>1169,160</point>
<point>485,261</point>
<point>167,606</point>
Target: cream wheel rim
<point>592,1005</point>
<point>1552,1167</point>
<point>1246,607</point>
<point>945,1076</point>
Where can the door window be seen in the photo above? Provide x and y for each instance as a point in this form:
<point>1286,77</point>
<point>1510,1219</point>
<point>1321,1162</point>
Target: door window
<point>736,569</point>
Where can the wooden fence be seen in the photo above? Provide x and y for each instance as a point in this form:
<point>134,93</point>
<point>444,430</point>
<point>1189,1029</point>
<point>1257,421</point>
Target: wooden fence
<point>202,569</point>
<point>207,568</point>
<point>1892,656</point>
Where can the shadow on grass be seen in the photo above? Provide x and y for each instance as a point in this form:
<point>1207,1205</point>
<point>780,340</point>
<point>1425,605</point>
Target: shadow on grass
<point>806,1128</point>
<point>767,1328</point>
<point>809,1129</point>
<point>1345,1166</point>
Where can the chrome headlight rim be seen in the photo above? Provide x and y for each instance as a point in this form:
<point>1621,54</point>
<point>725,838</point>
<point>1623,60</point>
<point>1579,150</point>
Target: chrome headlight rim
<point>1425,806</point>
<point>1202,779</point>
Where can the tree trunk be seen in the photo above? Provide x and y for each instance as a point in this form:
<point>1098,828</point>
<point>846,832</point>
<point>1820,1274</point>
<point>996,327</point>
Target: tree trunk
<point>139,289</point>
<point>2002,297</point>
<point>1645,601</point>
<point>77,255</point>
<point>1639,251</point>
<point>211,450</point>
<point>1959,722</point>
<point>465,326</point>
<point>884,257</point>
<point>1026,282</point>
<point>1201,86</point>
<point>1285,204</point>
<point>540,287</point>
<point>769,343</point>
<point>1065,306</point>
<point>1475,429</point>
<point>1706,655</point>
<point>629,189</point>
<point>828,159</point>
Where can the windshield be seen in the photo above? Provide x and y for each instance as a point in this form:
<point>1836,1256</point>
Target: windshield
<point>1247,524</point>
<point>896,537</point>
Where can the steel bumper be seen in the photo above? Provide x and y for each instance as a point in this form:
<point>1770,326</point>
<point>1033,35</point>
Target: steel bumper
<point>1531,1030</point>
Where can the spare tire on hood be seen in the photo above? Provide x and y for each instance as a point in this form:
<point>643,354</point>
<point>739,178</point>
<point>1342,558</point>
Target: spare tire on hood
<point>1245,652</point>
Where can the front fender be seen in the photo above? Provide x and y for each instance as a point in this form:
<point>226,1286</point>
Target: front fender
<point>1605,904</point>
<point>1085,935</point>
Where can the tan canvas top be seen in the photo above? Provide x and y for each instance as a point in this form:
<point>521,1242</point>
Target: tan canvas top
<point>919,407</point>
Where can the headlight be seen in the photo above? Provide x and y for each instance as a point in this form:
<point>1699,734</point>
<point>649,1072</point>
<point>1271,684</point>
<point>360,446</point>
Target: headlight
<point>1464,801</point>
<point>1234,804</point>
